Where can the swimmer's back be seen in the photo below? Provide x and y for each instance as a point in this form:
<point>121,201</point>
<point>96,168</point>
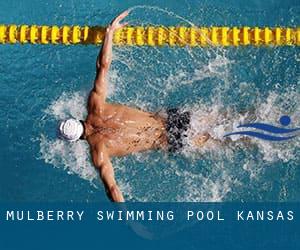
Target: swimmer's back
<point>126,130</point>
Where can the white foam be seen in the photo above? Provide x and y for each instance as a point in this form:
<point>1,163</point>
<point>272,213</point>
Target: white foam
<point>217,121</point>
<point>271,110</point>
<point>68,105</point>
<point>72,157</point>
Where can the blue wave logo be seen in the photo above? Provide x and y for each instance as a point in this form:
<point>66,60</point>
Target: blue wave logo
<point>279,133</point>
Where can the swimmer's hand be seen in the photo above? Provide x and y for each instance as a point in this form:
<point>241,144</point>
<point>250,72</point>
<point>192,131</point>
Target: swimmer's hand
<point>115,24</point>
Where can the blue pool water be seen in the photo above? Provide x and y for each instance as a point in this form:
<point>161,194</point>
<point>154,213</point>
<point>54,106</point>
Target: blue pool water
<point>42,84</point>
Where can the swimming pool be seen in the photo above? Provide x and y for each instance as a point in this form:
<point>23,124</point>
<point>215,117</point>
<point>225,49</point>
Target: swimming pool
<point>42,84</point>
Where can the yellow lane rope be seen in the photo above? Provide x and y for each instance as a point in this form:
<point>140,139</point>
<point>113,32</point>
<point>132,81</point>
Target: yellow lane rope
<point>152,35</point>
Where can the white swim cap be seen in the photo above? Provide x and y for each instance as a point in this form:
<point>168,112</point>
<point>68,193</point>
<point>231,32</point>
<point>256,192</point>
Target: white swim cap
<point>70,130</point>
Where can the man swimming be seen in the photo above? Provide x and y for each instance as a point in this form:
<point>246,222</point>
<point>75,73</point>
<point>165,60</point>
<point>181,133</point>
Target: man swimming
<point>117,130</point>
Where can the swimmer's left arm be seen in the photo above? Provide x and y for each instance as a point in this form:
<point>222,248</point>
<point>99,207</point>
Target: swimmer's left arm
<point>103,164</point>
<point>105,56</point>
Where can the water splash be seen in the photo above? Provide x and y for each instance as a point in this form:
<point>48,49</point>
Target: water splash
<point>74,158</point>
<point>215,85</point>
<point>192,185</point>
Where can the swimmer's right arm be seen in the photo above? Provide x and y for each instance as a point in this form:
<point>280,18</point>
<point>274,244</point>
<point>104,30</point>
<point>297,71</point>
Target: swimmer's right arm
<point>103,164</point>
<point>105,56</point>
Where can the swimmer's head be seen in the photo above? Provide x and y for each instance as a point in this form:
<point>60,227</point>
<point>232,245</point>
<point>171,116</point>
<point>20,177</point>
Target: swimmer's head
<point>70,130</point>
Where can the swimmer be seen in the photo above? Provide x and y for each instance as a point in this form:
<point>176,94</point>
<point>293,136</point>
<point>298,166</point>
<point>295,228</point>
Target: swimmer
<point>114,130</point>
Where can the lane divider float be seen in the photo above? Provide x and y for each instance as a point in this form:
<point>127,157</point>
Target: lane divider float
<point>152,35</point>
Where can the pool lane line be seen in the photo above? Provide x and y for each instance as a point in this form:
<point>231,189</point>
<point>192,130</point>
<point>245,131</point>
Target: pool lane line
<point>152,35</point>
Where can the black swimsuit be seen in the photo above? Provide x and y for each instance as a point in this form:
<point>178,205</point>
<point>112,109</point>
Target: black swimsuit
<point>177,124</point>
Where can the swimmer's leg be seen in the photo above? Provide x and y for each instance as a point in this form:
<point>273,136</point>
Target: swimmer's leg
<point>200,140</point>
